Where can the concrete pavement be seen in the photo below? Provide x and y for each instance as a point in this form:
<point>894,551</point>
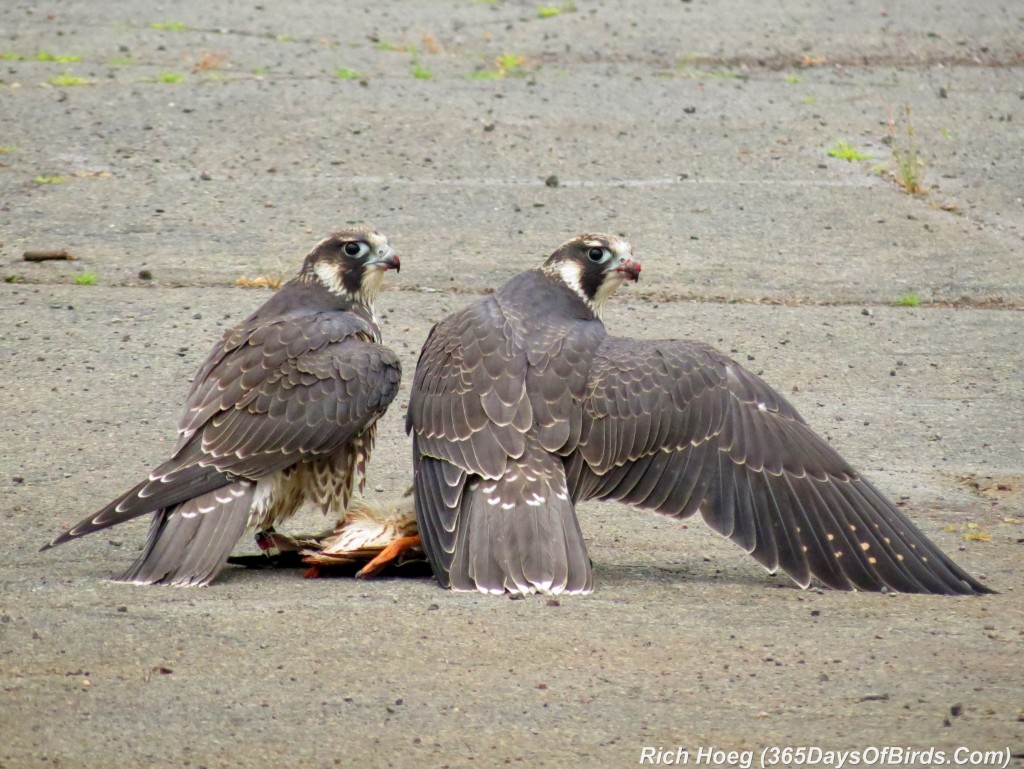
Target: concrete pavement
<point>212,142</point>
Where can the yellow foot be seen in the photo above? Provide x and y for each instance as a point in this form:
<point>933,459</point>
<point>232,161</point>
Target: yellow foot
<point>388,555</point>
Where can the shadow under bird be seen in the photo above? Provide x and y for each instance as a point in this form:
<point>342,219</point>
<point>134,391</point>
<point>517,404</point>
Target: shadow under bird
<point>283,412</point>
<point>523,405</point>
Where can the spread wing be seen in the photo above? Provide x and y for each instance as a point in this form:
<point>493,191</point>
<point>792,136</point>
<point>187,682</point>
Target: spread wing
<point>676,427</point>
<point>488,412</point>
<point>268,397</point>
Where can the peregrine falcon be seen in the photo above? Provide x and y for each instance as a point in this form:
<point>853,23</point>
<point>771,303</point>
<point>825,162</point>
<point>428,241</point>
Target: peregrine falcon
<point>523,405</point>
<point>283,411</point>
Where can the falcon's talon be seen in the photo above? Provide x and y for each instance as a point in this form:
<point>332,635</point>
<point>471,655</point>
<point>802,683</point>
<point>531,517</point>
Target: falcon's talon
<point>303,379</point>
<point>523,405</point>
<point>266,541</point>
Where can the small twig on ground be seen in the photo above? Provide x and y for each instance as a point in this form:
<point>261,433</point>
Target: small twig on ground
<point>48,256</point>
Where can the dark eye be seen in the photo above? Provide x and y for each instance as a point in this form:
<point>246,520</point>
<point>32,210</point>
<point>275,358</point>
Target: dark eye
<point>352,249</point>
<point>595,254</point>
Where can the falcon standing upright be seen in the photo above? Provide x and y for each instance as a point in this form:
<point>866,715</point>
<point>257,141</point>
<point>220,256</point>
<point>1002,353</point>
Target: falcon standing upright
<point>283,411</point>
<point>523,405</point>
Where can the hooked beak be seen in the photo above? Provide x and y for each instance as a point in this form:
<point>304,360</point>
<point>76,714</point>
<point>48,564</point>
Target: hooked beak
<point>388,260</point>
<point>629,270</point>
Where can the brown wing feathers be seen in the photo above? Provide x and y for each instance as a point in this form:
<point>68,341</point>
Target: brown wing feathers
<point>308,407</point>
<point>737,451</point>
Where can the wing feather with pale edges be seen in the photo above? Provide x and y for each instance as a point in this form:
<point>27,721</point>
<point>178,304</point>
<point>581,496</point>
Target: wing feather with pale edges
<point>676,427</point>
<point>268,396</point>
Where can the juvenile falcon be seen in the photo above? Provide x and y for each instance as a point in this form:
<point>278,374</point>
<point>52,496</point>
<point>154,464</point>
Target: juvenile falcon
<point>523,405</point>
<point>283,411</point>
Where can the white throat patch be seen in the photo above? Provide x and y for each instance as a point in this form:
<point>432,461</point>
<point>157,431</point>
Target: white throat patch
<point>570,273</point>
<point>331,280</point>
<point>612,280</point>
<point>369,287</point>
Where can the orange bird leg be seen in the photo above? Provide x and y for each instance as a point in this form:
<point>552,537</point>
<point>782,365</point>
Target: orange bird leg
<point>313,572</point>
<point>388,555</point>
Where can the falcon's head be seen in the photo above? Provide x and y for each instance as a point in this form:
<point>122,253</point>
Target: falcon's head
<point>351,263</point>
<point>593,266</point>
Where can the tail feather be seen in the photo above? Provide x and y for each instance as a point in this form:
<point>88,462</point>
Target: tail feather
<point>189,544</point>
<point>516,534</point>
<point>158,492</point>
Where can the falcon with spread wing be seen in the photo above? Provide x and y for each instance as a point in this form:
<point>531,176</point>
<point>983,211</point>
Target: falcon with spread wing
<point>523,405</point>
<point>283,411</point>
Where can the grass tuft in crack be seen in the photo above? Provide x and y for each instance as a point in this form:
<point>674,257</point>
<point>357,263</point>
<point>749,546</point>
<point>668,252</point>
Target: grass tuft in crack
<point>909,300</point>
<point>844,151</point>
<point>909,173</point>
<point>47,56</point>
<point>168,26</point>
<point>67,80</point>
<point>419,71</point>
<point>506,65</point>
<point>547,11</point>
